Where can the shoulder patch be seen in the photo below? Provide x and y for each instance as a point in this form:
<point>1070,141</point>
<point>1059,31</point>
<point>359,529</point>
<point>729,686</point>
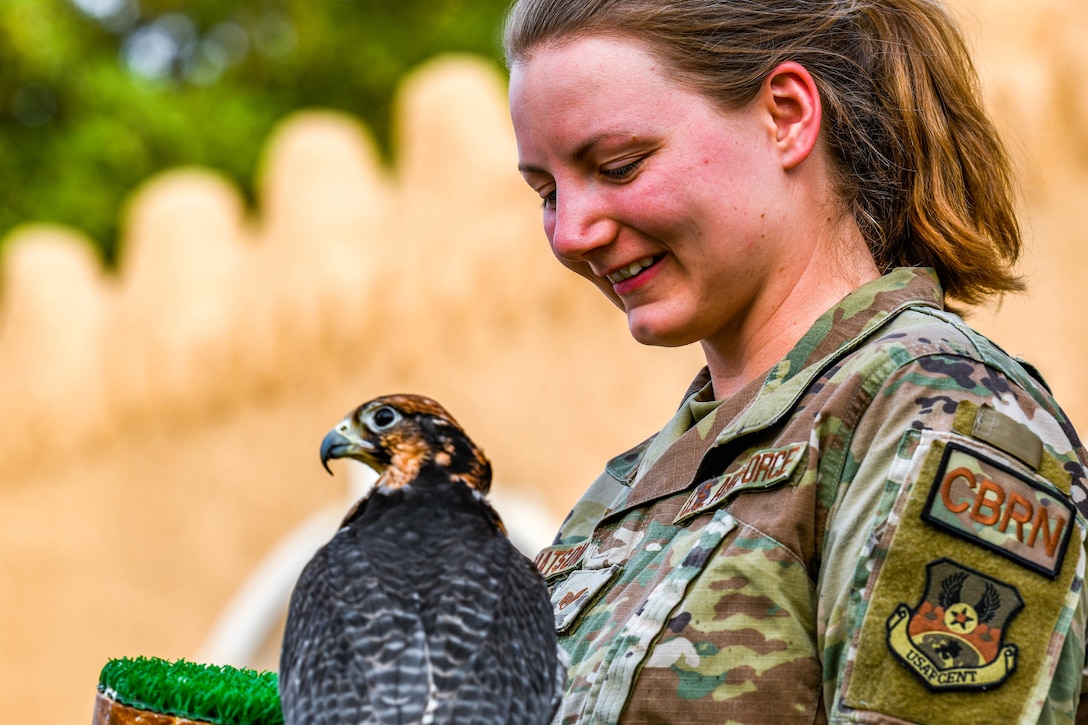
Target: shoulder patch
<point>953,626</point>
<point>1002,509</point>
<point>953,639</point>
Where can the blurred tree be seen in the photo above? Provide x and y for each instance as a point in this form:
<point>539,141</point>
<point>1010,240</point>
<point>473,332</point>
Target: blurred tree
<point>96,95</point>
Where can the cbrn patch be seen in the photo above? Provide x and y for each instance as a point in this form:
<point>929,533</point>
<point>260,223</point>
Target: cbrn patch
<point>903,675</point>
<point>954,638</point>
<point>1000,508</point>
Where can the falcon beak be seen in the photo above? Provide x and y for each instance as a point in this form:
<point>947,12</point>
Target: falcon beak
<point>338,445</point>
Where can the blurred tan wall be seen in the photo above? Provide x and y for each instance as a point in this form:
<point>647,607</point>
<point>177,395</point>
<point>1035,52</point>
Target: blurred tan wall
<point>159,426</point>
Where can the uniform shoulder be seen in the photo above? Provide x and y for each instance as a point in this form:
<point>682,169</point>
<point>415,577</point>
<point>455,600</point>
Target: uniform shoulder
<point>922,333</point>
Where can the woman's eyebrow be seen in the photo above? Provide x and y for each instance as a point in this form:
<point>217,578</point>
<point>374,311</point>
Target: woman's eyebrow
<point>582,150</point>
<point>530,169</point>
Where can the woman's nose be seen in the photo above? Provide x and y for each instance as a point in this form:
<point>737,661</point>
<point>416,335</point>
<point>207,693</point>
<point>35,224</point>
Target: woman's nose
<point>579,224</point>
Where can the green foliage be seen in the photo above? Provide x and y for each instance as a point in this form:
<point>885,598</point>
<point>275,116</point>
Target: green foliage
<point>85,116</point>
<point>217,694</point>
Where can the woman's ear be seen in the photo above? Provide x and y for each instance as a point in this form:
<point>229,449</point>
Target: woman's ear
<point>793,100</point>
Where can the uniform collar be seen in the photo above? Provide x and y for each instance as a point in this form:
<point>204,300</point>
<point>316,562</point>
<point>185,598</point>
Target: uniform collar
<point>841,329</point>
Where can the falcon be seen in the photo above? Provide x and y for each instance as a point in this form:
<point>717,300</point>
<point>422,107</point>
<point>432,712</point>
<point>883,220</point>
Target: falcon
<point>420,609</point>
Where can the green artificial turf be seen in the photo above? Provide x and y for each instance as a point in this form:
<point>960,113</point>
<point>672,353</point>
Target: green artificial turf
<point>219,694</point>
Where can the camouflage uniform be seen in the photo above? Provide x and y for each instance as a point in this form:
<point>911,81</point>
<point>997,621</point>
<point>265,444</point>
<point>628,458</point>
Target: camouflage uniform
<point>888,527</point>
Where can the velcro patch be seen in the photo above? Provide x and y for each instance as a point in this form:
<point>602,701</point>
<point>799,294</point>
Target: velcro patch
<point>556,560</point>
<point>921,653</point>
<point>954,638</point>
<point>997,507</point>
<point>570,597</point>
<point>763,469</point>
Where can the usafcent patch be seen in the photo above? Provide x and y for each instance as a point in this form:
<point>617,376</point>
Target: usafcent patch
<point>953,639</point>
<point>910,663</point>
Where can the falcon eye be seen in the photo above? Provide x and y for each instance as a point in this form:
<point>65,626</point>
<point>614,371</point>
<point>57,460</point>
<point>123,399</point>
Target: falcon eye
<point>384,417</point>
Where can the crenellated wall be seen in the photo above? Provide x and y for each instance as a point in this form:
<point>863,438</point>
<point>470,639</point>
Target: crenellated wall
<point>159,424</point>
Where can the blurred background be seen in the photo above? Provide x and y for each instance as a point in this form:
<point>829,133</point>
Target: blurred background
<point>100,94</point>
<point>225,223</point>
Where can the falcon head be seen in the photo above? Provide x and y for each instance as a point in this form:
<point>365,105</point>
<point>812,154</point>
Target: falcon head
<point>400,435</point>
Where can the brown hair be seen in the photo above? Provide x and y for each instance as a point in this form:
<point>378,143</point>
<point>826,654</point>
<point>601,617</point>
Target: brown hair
<point>919,163</point>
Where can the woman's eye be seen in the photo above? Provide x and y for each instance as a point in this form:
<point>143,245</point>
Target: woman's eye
<point>548,200</point>
<point>622,172</point>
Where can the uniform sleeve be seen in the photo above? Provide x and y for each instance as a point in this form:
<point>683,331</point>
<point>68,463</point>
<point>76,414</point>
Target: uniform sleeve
<point>951,588</point>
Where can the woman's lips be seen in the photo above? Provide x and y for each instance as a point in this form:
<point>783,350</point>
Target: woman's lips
<point>634,275</point>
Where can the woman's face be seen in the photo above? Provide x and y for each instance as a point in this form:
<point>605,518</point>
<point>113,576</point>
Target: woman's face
<point>673,207</point>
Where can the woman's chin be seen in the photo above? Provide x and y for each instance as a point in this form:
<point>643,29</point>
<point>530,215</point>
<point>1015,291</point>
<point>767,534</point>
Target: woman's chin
<point>658,335</point>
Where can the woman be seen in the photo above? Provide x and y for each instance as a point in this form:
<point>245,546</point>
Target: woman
<point>863,510</point>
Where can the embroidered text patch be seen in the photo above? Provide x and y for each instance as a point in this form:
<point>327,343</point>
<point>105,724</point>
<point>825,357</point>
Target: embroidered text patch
<point>555,560</point>
<point>762,469</point>
<point>1001,509</point>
